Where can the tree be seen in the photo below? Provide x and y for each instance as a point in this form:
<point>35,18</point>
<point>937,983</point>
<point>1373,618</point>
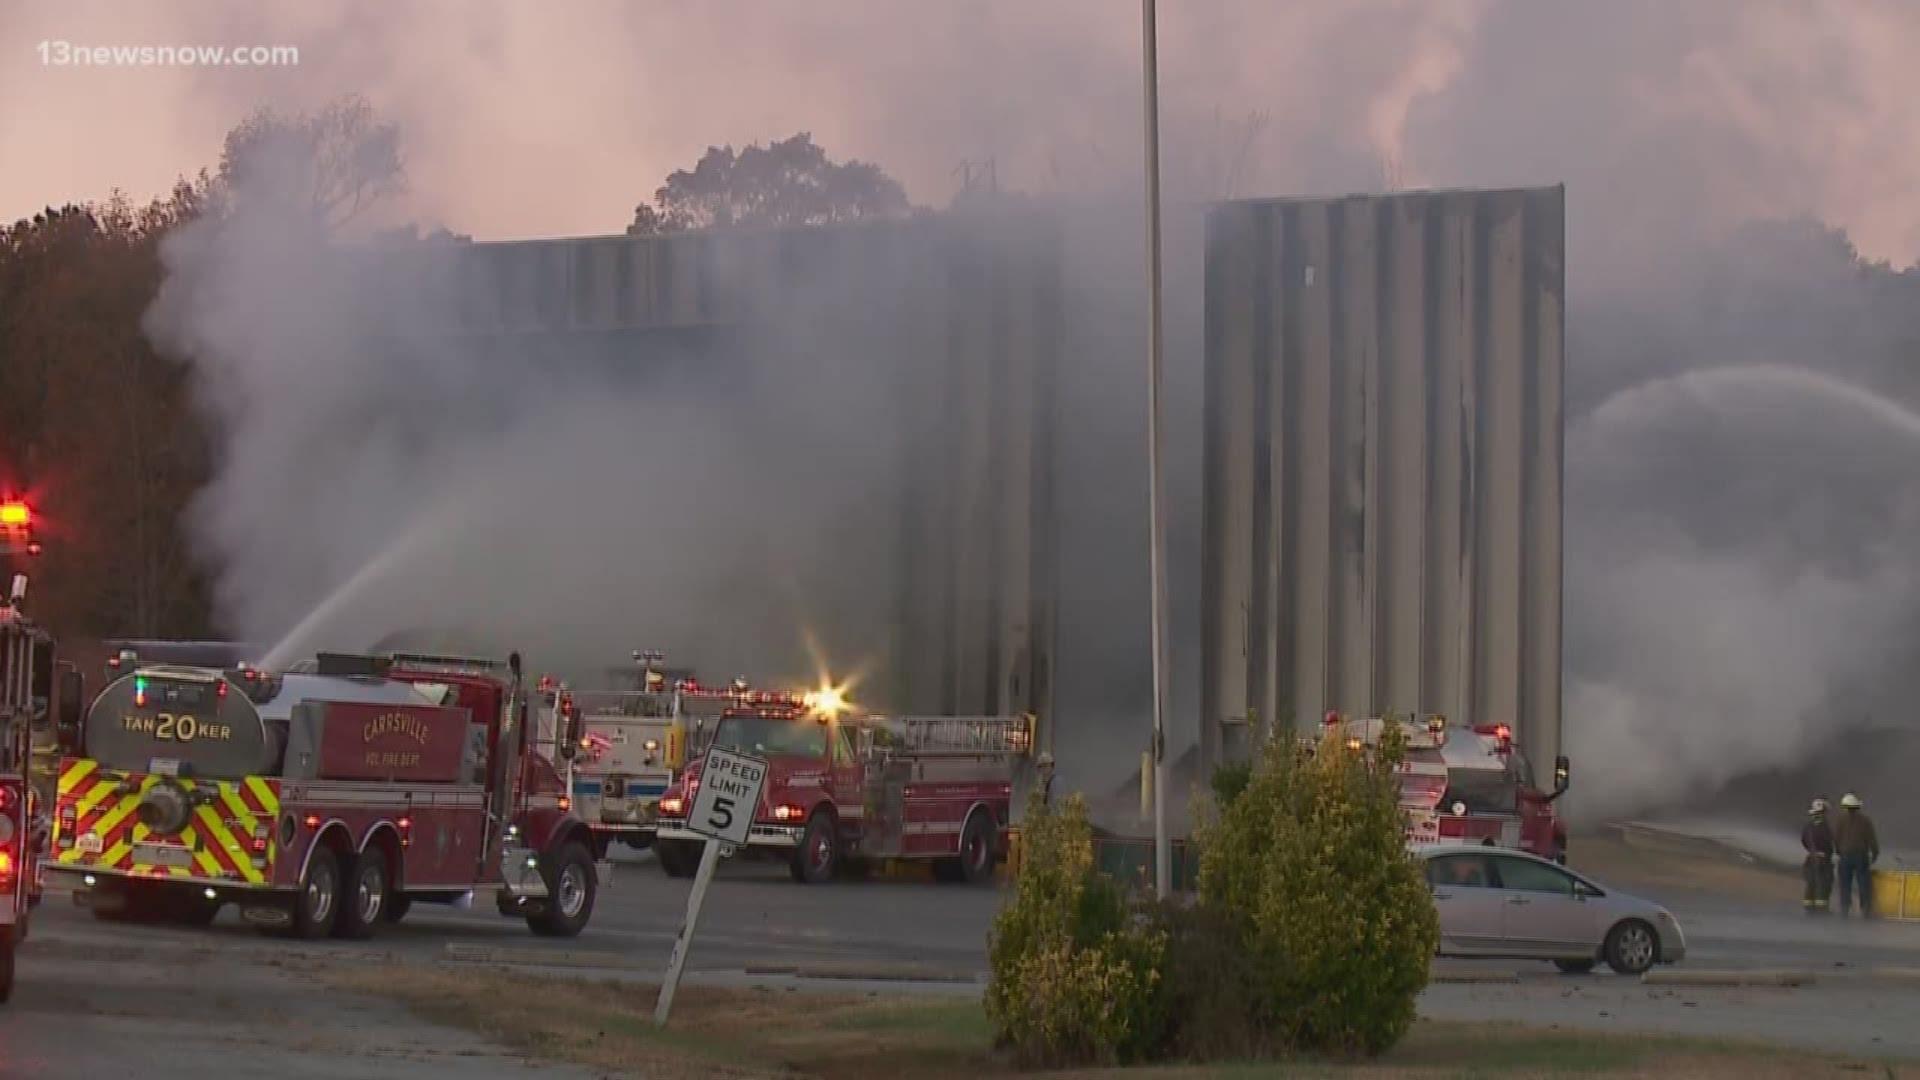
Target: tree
<point>97,424</point>
<point>324,168</point>
<point>791,182</point>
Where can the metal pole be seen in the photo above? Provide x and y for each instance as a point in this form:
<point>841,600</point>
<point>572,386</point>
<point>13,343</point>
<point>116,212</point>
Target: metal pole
<point>1156,495</point>
<point>709,860</point>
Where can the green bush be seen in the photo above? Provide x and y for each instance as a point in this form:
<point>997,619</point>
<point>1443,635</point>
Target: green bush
<point>1075,981</point>
<point>1309,865</point>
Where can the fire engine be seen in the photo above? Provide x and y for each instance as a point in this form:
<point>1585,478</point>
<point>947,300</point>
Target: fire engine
<point>32,682</point>
<point>1472,784</point>
<point>844,788</point>
<point>325,798</point>
<point>622,748</point>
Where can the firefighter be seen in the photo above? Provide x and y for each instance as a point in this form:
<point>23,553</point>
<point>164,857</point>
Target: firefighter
<point>1855,842</point>
<point>1816,836</point>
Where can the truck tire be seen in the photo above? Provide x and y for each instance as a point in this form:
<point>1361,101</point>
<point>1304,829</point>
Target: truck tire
<point>363,902</point>
<point>317,904</point>
<point>572,883</point>
<point>1632,947</point>
<point>975,863</point>
<point>677,857</point>
<point>817,859</point>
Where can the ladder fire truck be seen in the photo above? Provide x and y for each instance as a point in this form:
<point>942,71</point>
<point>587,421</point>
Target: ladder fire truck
<point>620,749</point>
<point>1471,784</point>
<point>32,682</point>
<point>326,798</point>
<point>858,789</point>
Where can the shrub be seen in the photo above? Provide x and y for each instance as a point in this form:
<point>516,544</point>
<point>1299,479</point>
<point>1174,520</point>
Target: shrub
<point>1074,980</point>
<point>1309,867</point>
<point>1212,986</point>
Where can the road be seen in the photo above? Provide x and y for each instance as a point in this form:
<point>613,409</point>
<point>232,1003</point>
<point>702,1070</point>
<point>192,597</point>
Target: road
<point>95,999</point>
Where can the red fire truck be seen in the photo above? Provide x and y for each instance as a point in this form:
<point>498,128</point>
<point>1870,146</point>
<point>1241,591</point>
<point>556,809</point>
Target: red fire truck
<point>322,799</point>
<point>866,788</point>
<point>1472,784</point>
<point>32,682</point>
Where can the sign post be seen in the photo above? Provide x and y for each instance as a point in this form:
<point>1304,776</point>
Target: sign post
<point>722,811</point>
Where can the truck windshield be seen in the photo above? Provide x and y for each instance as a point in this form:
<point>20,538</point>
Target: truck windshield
<point>1485,791</point>
<point>766,737</point>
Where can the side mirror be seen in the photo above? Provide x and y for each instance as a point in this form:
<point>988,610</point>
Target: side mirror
<point>73,694</point>
<point>1585,891</point>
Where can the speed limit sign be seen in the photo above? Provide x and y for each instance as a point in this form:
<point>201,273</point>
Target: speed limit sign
<point>723,810</point>
<point>729,796</point>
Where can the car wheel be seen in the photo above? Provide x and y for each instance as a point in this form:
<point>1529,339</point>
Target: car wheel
<point>1575,967</point>
<point>1631,947</point>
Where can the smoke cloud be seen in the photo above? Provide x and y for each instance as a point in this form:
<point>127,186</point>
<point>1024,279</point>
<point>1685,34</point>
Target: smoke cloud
<point>1728,581</point>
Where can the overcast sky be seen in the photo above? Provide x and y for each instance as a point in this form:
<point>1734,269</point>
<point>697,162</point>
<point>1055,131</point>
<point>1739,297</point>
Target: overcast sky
<point>527,120</point>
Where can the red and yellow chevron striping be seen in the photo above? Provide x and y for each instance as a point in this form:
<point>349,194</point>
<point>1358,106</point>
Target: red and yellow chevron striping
<point>97,824</point>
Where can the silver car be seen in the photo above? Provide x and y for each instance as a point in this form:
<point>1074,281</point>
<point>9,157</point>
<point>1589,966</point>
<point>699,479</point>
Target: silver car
<point>1496,902</point>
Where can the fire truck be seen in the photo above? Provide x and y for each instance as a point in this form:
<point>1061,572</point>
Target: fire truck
<point>322,799</point>
<point>843,790</point>
<point>34,686</point>
<point>1472,784</point>
<point>622,748</point>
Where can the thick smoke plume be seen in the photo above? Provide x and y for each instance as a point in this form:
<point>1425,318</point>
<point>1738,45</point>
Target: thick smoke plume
<point>1737,584</point>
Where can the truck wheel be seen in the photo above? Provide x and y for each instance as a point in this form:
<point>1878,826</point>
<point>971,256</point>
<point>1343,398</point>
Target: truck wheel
<point>818,856</point>
<point>571,885</point>
<point>364,901</point>
<point>317,904</point>
<point>1631,947</point>
<point>975,863</point>
<point>677,857</point>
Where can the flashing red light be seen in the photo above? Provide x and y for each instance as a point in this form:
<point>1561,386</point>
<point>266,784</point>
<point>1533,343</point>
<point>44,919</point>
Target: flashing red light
<point>33,547</point>
<point>6,864</point>
<point>259,845</point>
<point>313,821</point>
<point>1503,733</point>
<point>7,798</point>
<point>220,688</point>
<point>15,515</point>
<point>405,823</point>
<point>565,803</point>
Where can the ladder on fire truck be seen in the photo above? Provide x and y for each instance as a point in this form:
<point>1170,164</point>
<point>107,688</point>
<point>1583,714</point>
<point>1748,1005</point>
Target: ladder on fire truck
<point>955,736</point>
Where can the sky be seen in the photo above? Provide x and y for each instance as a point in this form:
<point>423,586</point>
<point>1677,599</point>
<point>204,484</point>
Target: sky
<point>539,120</point>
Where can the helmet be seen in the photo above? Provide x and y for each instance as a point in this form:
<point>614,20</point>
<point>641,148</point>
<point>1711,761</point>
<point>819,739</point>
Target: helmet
<point>1819,807</point>
<point>1850,801</point>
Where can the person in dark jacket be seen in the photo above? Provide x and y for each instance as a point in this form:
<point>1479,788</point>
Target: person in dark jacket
<point>1855,842</point>
<point>1816,836</point>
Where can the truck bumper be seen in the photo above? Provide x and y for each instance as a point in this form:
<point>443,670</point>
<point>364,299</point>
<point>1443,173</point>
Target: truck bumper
<point>762,836</point>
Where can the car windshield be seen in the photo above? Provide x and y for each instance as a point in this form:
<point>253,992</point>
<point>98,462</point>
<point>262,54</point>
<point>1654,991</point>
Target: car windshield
<point>767,737</point>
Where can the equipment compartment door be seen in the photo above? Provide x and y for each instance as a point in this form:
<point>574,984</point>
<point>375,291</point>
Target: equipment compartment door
<point>445,848</point>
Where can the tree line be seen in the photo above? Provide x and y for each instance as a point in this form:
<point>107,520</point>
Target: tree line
<point>99,429</point>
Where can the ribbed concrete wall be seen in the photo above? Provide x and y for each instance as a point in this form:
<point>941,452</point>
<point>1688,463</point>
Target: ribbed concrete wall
<point>965,314</point>
<point>1383,460</point>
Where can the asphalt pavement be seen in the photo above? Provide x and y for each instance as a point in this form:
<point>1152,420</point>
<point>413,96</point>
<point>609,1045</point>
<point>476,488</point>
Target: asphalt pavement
<point>96,999</point>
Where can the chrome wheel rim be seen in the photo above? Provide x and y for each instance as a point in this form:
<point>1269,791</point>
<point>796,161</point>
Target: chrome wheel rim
<point>371,894</point>
<point>320,893</point>
<point>1636,947</point>
<point>573,890</point>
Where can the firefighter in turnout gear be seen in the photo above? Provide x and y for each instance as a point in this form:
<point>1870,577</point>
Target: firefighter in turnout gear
<point>1858,848</point>
<point>1816,836</point>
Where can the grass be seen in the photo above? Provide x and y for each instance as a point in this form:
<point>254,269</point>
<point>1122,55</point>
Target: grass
<point>748,1034</point>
